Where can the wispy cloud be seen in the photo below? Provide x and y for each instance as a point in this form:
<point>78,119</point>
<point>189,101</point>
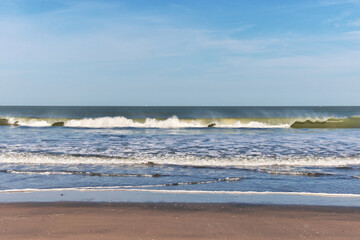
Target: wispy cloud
<point>303,5</point>
<point>30,40</point>
<point>354,23</point>
<point>336,2</point>
<point>339,18</point>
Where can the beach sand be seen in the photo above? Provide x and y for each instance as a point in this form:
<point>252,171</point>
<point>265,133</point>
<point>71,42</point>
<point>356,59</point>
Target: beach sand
<point>80,220</point>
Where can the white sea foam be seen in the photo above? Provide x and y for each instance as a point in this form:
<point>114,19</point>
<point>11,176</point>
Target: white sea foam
<point>175,122</point>
<point>123,122</point>
<point>30,122</point>
<point>29,158</point>
<point>111,122</point>
<point>253,124</point>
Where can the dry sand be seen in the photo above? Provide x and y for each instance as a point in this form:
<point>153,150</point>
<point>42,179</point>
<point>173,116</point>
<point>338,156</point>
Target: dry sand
<point>175,221</point>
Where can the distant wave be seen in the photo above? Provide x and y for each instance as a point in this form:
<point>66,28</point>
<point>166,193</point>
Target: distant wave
<point>348,122</point>
<point>175,122</point>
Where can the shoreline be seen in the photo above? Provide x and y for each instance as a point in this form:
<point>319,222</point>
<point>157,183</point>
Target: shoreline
<point>174,196</point>
<point>89,220</point>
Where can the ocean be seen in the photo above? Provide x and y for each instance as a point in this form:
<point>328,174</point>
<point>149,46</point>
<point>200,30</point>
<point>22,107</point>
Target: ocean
<point>240,149</point>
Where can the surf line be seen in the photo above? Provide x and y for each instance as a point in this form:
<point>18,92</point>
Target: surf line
<point>122,189</point>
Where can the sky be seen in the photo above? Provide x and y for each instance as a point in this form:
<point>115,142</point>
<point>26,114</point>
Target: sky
<point>180,52</point>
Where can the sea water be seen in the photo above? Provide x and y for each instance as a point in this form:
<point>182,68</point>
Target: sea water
<point>229,149</point>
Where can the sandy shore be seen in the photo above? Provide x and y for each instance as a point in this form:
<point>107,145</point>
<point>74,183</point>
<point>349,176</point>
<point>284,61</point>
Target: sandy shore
<point>175,221</point>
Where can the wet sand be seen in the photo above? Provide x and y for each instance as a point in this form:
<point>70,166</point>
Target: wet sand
<point>75,220</point>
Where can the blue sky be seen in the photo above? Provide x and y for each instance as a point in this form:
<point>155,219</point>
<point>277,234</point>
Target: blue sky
<point>185,52</point>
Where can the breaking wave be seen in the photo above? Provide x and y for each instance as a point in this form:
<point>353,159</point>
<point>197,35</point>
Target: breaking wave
<point>175,122</point>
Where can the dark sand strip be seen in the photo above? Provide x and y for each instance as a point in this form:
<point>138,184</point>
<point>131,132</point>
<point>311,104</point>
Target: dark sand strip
<point>175,221</point>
